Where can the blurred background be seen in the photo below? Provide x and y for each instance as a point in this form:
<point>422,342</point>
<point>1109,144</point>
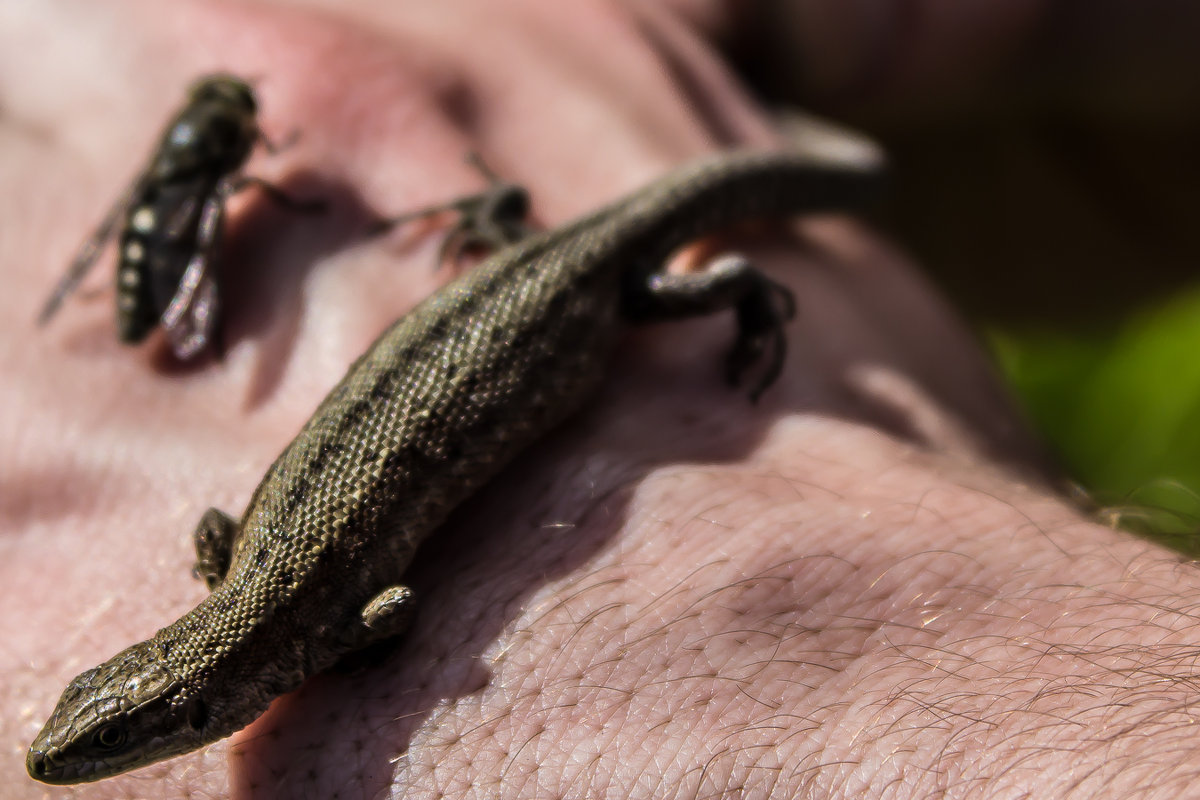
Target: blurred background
<point>1045,172</point>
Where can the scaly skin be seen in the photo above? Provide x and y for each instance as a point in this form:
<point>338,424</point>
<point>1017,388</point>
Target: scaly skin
<point>440,403</point>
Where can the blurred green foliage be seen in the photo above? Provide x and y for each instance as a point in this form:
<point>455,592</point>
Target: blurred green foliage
<point>1122,407</point>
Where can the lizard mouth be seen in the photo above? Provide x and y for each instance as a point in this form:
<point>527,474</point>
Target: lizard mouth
<point>46,766</point>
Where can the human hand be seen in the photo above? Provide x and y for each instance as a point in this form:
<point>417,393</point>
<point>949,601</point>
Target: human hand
<point>860,584</point>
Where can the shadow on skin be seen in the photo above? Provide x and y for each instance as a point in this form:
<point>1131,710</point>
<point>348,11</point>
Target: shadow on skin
<point>549,514</point>
<point>265,258</point>
<point>464,578</point>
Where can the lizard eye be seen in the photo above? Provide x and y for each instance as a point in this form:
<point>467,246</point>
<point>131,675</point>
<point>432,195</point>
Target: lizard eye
<point>109,737</point>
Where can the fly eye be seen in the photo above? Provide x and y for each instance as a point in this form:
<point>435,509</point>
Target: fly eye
<point>109,737</point>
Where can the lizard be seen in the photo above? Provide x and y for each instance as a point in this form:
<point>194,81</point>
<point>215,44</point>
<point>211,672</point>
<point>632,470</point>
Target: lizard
<point>442,400</point>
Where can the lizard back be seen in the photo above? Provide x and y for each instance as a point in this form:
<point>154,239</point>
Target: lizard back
<point>443,399</point>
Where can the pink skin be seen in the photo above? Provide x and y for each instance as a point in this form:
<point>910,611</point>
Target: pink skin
<point>860,587</point>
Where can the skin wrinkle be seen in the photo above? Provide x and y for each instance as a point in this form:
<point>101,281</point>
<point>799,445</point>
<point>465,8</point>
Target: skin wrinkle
<point>1055,576</point>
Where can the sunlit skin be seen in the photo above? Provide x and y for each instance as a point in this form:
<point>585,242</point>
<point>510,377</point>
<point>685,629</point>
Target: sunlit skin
<point>863,586</point>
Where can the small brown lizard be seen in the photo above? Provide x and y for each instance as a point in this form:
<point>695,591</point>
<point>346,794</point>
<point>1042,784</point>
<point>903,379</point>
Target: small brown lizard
<point>441,402</point>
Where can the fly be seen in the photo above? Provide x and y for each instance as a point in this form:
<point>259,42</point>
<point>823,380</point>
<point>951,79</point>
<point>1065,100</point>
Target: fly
<point>171,216</point>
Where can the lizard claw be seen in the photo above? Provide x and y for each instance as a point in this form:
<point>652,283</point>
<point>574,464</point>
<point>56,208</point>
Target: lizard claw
<point>761,318</point>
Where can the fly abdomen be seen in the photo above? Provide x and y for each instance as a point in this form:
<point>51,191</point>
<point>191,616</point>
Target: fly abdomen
<point>136,313</point>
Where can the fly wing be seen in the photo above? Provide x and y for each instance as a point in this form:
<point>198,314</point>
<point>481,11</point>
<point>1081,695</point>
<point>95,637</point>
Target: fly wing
<point>156,247</point>
<point>90,251</point>
<point>190,317</point>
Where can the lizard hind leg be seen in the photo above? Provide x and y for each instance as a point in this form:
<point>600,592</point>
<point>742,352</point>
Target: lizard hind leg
<point>214,537</point>
<point>763,307</point>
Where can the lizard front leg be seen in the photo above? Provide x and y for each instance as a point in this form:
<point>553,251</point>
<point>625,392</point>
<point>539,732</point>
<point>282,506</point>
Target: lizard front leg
<point>388,614</point>
<point>488,221</point>
<point>214,537</point>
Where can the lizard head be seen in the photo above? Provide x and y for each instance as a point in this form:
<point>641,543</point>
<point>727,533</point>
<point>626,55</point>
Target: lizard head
<point>126,713</point>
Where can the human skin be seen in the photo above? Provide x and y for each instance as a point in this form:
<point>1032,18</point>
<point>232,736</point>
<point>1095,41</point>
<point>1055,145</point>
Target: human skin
<point>863,586</point>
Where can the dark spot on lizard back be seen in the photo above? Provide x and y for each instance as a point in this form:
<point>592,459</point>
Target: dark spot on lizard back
<point>383,385</point>
<point>354,415</point>
<point>574,332</point>
<point>522,338</point>
<point>295,495</point>
<point>332,449</point>
<point>411,457</point>
<point>557,304</point>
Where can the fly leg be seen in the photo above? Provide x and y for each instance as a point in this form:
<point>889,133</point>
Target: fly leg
<point>278,147</point>
<point>281,198</point>
<point>274,193</point>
